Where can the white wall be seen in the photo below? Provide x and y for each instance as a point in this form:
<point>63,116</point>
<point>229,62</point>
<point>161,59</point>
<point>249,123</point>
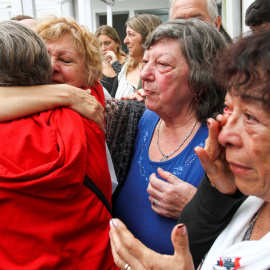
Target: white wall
<point>127,6</point>
<point>232,19</point>
<point>233,12</point>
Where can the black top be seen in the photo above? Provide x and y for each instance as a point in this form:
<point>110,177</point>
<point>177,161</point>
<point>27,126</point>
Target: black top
<point>108,82</point>
<point>206,216</point>
<point>117,66</point>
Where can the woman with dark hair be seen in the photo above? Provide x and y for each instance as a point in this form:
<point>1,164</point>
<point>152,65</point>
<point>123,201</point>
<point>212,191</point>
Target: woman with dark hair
<point>258,14</point>
<point>181,93</point>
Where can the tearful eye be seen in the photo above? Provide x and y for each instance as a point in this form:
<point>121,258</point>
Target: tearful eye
<point>249,117</point>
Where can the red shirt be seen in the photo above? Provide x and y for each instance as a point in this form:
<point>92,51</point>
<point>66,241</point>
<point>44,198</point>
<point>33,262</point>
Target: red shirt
<point>49,219</point>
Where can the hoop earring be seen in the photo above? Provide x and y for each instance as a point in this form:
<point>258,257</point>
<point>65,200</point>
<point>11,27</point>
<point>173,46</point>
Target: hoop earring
<point>197,97</point>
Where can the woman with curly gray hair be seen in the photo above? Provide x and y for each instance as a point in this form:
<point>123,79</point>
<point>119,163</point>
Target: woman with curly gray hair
<point>181,93</point>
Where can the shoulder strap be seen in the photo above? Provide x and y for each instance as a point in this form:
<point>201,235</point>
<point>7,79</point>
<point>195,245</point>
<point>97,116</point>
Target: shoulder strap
<point>88,183</point>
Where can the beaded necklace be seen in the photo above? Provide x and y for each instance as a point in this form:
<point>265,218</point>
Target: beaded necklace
<point>166,157</point>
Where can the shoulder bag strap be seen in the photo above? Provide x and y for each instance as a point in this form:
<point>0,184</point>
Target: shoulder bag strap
<point>88,183</point>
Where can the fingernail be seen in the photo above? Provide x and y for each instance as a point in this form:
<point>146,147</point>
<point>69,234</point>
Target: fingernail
<point>113,223</point>
<point>182,229</point>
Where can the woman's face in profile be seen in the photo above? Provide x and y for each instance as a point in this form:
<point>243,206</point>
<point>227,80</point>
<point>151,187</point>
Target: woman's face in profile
<point>133,40</point>
<point>247,141</point>
<point>67,62</point>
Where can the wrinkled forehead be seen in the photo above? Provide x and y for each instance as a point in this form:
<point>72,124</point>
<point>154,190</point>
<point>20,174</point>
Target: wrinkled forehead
<point>187,9</point>
<point>165,46</point>
<point>250,92</point>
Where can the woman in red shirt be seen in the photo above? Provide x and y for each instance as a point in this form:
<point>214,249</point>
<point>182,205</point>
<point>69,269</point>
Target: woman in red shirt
<point>49,218</point>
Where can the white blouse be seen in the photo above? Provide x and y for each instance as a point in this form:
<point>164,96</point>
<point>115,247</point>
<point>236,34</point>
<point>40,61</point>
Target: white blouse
<point>124,87</point>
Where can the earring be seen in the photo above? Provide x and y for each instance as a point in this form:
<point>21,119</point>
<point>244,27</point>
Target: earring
<point>197,97</point>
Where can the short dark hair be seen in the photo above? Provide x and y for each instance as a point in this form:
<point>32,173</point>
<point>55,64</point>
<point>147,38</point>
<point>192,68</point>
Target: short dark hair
<point>244,67</point>
<point>258,13</point>
<point>199,41</point>
<point>24,59</point>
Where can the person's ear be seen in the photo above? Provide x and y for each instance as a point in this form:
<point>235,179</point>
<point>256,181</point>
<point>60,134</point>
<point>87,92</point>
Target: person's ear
<point>218,22</point>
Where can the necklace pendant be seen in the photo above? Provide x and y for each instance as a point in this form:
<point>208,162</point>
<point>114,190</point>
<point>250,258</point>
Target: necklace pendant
<point>164,159</point>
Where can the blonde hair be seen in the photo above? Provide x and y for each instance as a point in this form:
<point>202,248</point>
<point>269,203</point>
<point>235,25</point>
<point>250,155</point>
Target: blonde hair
<point>143,24</point>
<point>85,42</point>
<point>111,33</point>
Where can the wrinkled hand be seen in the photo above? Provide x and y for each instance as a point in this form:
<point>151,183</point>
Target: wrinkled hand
<point>139,96</point>
<point>86,105</point>
<point>110,56</point>
<point>127,249</point>
<point>213,159</point>
<point>169,199</point>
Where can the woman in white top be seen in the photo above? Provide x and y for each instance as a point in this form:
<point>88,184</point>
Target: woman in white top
<point>138,29</point>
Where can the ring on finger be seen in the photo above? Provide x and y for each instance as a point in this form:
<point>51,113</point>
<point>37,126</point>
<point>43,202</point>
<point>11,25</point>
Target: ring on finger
<point>127,267</point>
<point>155,202</point>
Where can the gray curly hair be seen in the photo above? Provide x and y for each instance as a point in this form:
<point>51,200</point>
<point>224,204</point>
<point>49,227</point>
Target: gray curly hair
<point>200,42</point>
<point>24,59</point>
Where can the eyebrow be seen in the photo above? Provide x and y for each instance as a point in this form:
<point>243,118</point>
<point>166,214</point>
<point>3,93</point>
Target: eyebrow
<point>252,98</point>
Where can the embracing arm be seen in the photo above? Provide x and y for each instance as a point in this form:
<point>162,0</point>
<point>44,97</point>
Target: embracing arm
<point>122,118</point>
<point>20,101</point>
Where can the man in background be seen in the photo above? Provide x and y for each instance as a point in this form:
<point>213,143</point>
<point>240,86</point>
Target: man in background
<point>205,10</point>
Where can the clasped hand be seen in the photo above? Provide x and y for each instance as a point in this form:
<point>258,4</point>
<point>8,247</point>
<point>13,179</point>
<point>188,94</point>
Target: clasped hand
<point>169,198</point>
